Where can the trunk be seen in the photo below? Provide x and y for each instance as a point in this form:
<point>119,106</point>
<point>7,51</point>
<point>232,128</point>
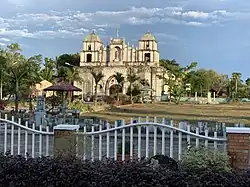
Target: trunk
<point>170,90</point>
<point>131,95</point>
<point>70,96</point>
<point>131,98</point>
<point>117,95</point>
<point>236,89</point>
<point>1,88</point>
<point>16,96</point>
<point>95,95</point>
<point>30,104</point>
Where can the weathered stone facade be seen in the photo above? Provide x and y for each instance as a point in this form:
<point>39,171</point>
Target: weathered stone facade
<point>117,56</point>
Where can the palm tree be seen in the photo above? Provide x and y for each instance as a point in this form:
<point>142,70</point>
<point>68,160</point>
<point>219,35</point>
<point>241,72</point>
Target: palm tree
<point>48,71</point>
<point>97,75</point>
<point>236,76</point>
<point>72,74</point>
<point>120,81</point>
<point>21,71</point>
<point>132,78</point>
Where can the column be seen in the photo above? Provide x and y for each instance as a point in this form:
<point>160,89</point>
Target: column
<point>65,140</point>
<point>238,147</point>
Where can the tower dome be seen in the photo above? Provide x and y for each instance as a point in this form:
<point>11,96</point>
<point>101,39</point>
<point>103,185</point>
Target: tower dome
<point>93,37</point>
<point>148,36</point>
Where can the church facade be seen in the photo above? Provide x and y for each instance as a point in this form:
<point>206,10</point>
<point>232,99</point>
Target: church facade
<point>119,56</point>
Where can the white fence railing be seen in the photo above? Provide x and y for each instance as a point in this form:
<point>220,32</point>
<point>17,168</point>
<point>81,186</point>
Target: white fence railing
<point>144,140</point>
<point>138,139</point>
<point>18,139</point>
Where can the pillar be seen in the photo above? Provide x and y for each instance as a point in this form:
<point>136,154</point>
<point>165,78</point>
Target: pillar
<point>209,100</point>
<point>238,147</point>
<point>65,140</point>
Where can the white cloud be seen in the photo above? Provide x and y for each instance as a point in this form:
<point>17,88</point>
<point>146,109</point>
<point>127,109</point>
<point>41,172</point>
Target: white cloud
<point>69,23</point>
<point>165,36</point>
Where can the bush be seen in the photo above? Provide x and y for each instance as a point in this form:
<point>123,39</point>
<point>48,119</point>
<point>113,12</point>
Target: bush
<point>204,159</point>
<point>78,105</point>
<point>71,172</point>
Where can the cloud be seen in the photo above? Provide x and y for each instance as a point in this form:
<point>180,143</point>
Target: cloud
<point>69,24</point>
<point>164,36</point>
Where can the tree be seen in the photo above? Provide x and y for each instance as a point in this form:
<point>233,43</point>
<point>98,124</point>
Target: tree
<point>247,82</point>
<point>120,81</point>
<point>2,72</point>
<point>72,74</point>
<point>144,82</point>
<point>236,79</point>
<point>48,71</point>
<point>98,76</point>
<point>21,71</point>
<point>131,78</point>
<point>176,76</point>
<point>65,62</point>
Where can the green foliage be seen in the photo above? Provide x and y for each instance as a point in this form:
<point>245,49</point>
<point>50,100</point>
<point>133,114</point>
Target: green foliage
<point>65,62</point>
<point>174,76</point>
<point>98,76</point>
<point>48,71</point>
<point>78,105</point>
<point>135,90</point>
<point>132,78</point>
<point>204,159</point>
<point>54,100</point>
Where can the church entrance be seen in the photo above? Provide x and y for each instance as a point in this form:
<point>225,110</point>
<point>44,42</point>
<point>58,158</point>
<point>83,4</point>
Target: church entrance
<point>114,89</point>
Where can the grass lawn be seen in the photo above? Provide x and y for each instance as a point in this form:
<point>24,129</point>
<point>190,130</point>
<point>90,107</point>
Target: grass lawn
<point>228,113</point>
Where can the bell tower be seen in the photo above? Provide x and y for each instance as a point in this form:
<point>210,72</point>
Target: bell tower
<point>116,50</point>
<point>148,49</point>
<point>91,50</point>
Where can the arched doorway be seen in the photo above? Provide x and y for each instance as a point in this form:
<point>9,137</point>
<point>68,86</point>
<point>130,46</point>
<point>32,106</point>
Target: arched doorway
<point>114,89</point>
<point>110,81</point>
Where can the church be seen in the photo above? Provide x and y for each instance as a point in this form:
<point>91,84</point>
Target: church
<point>119,56</point>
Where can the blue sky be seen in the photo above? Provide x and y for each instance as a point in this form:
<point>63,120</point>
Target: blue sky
<point>215,33</point>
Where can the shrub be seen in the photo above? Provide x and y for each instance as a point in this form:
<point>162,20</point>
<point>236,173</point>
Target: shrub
<point>72,172</point>
<point>204,159</point>
<point>78,105</point>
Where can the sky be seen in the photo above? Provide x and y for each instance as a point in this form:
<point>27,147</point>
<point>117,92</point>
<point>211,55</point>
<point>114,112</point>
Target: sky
<point>214,33</point>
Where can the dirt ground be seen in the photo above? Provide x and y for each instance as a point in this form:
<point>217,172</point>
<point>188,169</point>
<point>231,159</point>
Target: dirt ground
<point>228,113</point>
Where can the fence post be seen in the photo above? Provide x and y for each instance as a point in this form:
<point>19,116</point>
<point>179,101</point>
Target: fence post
<point>65,140</point>
<point>238,147</point>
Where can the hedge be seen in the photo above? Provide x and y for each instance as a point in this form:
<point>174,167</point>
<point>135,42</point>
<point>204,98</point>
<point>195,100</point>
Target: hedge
<point>71,172</point>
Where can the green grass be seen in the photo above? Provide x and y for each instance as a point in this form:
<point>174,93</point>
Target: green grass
<point>228,113</point>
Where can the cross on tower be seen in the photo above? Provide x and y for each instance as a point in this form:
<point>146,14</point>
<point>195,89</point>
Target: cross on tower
<point>117,33</point>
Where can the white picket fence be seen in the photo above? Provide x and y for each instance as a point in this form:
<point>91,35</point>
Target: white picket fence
<point>146,138</point>
<point>107,140</point>
<point>18,139</point>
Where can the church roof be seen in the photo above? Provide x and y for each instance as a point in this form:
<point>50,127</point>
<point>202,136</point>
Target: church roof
<point>93,37</point>
<point>148,36</point>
